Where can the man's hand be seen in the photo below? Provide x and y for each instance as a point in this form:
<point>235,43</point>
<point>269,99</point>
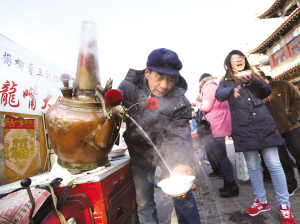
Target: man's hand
<point>193,104</point>
<point>182,170</point>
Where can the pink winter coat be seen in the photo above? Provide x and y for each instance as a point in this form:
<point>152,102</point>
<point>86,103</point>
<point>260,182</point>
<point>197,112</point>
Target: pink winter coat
<point>217,113</point>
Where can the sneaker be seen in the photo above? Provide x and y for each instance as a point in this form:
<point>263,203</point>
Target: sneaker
<point>291,192</point>
<point>207,162</point>
<point>286,215</point>
<point>258,207</point>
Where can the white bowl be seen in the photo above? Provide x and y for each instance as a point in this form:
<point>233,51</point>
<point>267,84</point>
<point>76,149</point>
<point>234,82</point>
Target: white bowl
<point>177,185</point>
<point>243,73</point>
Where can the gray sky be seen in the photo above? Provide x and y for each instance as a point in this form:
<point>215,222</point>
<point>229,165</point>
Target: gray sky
<point>201,32</point>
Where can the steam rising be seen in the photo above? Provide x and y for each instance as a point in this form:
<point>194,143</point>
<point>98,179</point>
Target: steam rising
<point>145,134</point>
<point>171,146</point>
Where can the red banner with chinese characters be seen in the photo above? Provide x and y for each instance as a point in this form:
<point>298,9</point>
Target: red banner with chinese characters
<point>18,123</point>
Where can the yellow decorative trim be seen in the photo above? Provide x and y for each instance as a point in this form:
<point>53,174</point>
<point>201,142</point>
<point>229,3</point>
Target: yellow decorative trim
<point>59,123</point>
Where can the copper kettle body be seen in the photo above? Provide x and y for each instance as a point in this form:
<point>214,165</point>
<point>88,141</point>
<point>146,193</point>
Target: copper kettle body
<point>81,129</point>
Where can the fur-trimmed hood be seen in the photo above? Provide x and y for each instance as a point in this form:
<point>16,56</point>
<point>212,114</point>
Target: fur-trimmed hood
<point>203,81</point>
<point>217,113</point>
<point>201,84</point>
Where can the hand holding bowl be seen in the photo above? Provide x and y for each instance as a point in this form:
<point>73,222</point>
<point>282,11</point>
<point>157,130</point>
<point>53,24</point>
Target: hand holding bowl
<point>243,73</point>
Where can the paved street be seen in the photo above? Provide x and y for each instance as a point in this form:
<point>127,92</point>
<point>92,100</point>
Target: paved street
<point>215,210</point>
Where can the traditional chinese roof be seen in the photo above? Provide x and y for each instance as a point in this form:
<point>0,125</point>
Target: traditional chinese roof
<point>257,59</point>
<point>287,69</point>
<point>272,11</point>
<point>283,29</point>
<point>260,61</point>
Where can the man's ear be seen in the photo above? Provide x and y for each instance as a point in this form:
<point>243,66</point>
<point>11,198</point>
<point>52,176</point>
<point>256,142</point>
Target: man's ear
<point>147,73</point>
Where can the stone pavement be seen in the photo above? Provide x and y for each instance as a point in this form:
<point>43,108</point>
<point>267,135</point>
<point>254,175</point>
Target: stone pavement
<point>216,210</point>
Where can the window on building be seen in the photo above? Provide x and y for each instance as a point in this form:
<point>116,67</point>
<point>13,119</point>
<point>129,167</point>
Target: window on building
<point>279,57</point>
<point>296,50</point>
<point>284,57</point>
<point>294,46</point>
<point>278,61</point>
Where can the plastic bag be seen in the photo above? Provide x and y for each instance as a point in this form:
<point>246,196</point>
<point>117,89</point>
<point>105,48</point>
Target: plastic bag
<point>241,166</point>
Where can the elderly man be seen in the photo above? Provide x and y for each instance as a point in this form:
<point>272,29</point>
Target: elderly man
<point>168,128</point>
<point>284,106</point>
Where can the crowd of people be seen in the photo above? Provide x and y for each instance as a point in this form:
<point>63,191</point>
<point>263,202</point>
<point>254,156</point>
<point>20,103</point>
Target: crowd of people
<point>260,115</point>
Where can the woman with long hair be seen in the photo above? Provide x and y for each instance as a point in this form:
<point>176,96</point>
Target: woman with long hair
<point>218,114</point>
<point>253,129</point>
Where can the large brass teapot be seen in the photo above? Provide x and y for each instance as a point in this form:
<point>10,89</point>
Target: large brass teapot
<point>81,128</point>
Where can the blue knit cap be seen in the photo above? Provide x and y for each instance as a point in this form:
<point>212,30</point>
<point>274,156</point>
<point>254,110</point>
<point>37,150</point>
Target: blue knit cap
<point>164,61</point>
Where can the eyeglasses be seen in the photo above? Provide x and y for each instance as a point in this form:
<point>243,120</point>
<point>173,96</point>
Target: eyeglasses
<point>170,78</point>
<point>238,58</point>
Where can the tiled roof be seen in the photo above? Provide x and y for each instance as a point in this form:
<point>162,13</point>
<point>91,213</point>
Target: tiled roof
<point>271,10</point>
<point>255,59</point>
<point>276,35</point>
<point>289,66</point>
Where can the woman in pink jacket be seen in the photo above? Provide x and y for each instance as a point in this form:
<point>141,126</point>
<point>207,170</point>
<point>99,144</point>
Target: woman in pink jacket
<point>218,114</point>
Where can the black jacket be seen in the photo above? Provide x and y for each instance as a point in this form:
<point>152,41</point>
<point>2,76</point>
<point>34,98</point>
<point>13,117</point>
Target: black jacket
<point>168,127</point>
<point>253,127</point>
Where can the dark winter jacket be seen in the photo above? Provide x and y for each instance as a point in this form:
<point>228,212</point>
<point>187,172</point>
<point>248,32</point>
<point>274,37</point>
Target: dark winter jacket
<point>253,127</point>
<point>168,127</point>
<point>284,105</point>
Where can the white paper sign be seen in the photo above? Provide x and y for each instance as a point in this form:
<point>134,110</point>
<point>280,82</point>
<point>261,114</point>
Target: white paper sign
<point>28,83</point>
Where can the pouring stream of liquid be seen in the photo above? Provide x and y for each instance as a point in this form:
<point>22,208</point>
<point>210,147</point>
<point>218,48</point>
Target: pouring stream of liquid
<point>145,134</point>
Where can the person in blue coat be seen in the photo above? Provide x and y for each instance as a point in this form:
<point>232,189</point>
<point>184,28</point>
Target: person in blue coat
<point>253,129</point>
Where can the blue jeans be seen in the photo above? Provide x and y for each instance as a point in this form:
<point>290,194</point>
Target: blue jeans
<point>274,166</point>
<point>186,209</point>
<point>203,152</point>
<point>287,168</point>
